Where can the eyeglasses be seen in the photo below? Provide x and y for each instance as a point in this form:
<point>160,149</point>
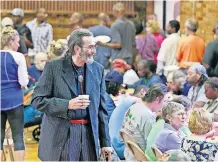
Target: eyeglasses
<point>180,114</point>
<point>91,47</point>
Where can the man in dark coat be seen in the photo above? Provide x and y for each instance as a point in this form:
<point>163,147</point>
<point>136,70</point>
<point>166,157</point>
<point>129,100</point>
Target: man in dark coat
<point>71,93</point>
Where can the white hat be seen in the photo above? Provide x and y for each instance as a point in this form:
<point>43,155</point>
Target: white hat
<point>17,12</point>
<point>130,77</point>
<point>7,22</point>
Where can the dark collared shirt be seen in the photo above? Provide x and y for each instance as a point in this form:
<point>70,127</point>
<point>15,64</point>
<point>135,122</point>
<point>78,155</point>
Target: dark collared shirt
<point>80,113</point>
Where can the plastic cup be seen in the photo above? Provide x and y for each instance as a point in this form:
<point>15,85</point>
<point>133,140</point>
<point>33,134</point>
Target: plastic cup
<point>84,97</point>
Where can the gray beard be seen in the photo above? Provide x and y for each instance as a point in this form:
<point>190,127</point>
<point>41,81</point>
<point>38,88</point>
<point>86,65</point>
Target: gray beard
<point>86,59</point>
<point>89,60</point>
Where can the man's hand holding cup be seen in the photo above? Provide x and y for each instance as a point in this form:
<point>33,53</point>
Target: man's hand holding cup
<point>80,102</point>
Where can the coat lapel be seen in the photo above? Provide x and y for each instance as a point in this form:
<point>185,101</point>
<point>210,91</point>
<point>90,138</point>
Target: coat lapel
<point>68,74</point>
<point>90,79</point>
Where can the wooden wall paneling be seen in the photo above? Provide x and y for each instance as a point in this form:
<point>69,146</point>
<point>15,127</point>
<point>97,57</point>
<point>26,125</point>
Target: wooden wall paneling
<point>102,5</point>
<point>11,4</point>
<point>109,6</point>
<point>18,4</point>
<point>91,6</point>
<point>68,6</point>
<point>73,5</point>
<point>77,6</point>
<point>4,5</point>
<point>85,6</point>
<point>28,6</point>
<point>60,11</point>
<point>95,6</point>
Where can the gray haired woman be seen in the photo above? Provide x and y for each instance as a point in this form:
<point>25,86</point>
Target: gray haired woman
<point>175,116</point>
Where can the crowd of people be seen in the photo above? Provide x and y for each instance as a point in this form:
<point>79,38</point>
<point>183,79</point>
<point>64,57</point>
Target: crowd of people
<point>159,89</point>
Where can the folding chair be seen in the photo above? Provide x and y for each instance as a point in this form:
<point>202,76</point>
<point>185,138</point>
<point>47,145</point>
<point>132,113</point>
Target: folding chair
<point>137,152</point>
<point>124,135</point>
<point>156,152</point>
<point>8,144</point>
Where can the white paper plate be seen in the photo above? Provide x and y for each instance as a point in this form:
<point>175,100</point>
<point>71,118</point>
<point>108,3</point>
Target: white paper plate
<point>189,63</point>
<point>102,38</point>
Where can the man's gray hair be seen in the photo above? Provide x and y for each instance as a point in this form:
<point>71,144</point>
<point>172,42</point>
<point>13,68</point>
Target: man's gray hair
<point>179,77</point>
<point>171,107</point>
<point>76,38</point>
<point>150,64</point>
<point>192,24</point>
<point>119,7</point>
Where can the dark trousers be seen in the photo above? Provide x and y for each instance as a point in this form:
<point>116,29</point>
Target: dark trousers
<point>15,118</point>
<point>80,144</point>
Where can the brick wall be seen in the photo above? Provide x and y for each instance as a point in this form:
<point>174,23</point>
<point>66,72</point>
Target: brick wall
<point>206,12</point>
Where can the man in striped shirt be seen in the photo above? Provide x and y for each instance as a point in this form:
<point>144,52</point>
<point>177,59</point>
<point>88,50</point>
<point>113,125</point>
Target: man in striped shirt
<point>42,33</point>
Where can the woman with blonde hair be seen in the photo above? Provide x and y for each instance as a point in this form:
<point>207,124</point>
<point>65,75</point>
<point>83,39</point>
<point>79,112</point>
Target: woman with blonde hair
<point>198,146</point>
<point>57,48</point>
<point>153,28</point>
<point>13,77</point>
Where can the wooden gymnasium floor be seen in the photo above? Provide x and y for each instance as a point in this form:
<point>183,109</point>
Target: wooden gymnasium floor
<point>31,146</point>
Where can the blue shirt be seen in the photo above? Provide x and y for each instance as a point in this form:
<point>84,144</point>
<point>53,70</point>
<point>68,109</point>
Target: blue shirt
<point>186,88</point>
<point>109,104</point>
<point>103,54</point>
<point>79,113</point>
<point>115,124</point>
<point>34,73</point>
<point>147,82</point>
<point>13,76</point>
<point>168,139</point>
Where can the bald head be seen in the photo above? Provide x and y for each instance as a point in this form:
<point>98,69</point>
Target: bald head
<point>191,24</point>
<point>119,8</point>
<point>40,60</point>
<point>76,19</point>
<point>103,19</point>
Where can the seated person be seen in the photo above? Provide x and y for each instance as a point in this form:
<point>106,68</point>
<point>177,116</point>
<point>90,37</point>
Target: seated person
<point>140,117</point>
<point>129,75</point>
<point>113,81</point>
<point>146,72</point>
<point>179,85</point>
<point>159,125</point>
<point>35,71</point>
<point>116,120</point>
<point>170,138</point>
<point>186,102</point>
<point>211,92</point>
<point>197,76</point>
<point>197,146</point>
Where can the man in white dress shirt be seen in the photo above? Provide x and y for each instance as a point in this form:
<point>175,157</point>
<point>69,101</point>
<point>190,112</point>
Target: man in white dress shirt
<point>42,33</point>
<point>167,53</point>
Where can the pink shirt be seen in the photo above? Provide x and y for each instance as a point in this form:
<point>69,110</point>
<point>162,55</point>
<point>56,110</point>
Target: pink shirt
<point>159,39</point>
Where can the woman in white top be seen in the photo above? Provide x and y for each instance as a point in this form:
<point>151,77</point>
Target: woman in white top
<point>13,77</point>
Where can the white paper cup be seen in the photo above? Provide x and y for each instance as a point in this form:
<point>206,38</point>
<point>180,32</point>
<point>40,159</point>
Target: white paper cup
<point>84,96</point>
